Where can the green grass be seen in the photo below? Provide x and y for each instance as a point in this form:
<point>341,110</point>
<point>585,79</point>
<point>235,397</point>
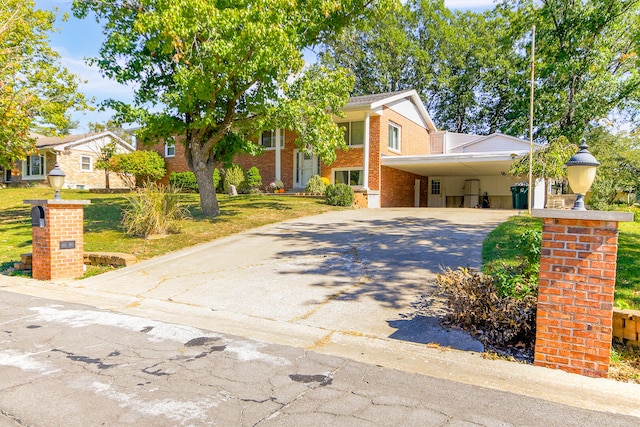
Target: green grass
<point>103,230</point>
<point>628,271</point>
<point>501,246</point>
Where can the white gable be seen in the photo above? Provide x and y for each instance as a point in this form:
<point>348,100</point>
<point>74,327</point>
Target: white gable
<point>408,109</point>
<point>95,143</point>
<point>492,144</point>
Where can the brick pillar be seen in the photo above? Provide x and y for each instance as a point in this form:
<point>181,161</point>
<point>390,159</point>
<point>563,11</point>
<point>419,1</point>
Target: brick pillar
<point>576,287</point>
<point>58,243</point>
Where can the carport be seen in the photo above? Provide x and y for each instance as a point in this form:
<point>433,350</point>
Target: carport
<point>461,179</point>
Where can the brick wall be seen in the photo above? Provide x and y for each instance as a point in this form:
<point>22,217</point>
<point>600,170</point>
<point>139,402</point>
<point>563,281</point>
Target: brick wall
<point>398,189</point>
<point>414,139</point>
<point>575,295</point>
<point>70,162</point>
<point>64,221</point>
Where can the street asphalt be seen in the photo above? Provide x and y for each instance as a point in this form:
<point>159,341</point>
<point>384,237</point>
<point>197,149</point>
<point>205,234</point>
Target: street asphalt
<point>312,321</point>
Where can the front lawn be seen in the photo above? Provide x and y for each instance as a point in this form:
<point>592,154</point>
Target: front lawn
<point>102,221</point>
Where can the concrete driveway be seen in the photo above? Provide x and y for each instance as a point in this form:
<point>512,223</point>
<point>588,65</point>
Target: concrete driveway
<point>355,272</point>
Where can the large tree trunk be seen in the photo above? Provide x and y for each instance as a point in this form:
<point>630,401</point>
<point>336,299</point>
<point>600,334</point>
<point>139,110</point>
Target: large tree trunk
<point>203,170</point>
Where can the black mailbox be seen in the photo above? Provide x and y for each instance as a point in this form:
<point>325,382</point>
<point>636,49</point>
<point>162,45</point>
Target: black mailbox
<point>37,216</point>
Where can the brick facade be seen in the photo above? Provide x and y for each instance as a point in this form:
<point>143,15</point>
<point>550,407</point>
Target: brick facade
<point>576,288</point>
<point>398,189</point>
<point>63,222</point>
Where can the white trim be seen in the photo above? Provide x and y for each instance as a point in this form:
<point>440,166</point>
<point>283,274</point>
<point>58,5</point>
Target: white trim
<point>399,128</point>
<point>166,149</point>
<point>26,177</point>
<point>365,152</point>
<point>314,171</point>
<point>82,169</point>
<point>354,168</point>
<point>278,150</point>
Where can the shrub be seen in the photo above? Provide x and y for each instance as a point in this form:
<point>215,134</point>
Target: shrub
<point>325,181</point>
<point>476,305</point>
<point>183,180</point>
<point>339,195</point>
<point>315,185</point>
<point>254,180</point>
<point>144,165</point>
<point>154,209</point>
<point>234,175</point>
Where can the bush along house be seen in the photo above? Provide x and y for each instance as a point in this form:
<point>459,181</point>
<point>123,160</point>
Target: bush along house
<point>396,157</point>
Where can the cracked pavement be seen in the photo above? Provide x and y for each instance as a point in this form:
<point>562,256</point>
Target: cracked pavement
<point>306,322</point>
<point>65,364</point>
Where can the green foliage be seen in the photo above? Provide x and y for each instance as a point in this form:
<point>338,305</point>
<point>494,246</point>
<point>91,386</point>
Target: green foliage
<point>339,195</point>
<point>36,92</point>
<point>548,162</point>
<point>235,175</point>
<point>619,170</point>
<point>154,209</point>
<point>216,178</point>
<point>315,185</point>
<point>254,180</point>
<point>183,180</point>
<point>143,165</point>
<point>476,305</point>
<point>209,67</point>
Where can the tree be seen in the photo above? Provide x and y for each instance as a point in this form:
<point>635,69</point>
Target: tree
<point>138,167</point>
<point>548,162</point>
<point>587,66</point>
<point>215,69</point>
<point>112,127</point>
<point>104,163</point>
<point>35,91</point>
<point>619,170</point>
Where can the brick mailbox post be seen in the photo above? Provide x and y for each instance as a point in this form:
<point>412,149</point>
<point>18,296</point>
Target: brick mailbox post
<point>574,323</point>
<point>58,243</point>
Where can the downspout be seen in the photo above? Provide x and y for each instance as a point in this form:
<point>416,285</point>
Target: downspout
<point>365,155</point>
<point>278,154</point>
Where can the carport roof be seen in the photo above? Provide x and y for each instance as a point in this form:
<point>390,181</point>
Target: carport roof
<point>459,164</point>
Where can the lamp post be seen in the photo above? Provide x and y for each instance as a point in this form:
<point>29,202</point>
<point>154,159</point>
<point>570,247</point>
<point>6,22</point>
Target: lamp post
<point>581,171</point>
<point>56,180</point>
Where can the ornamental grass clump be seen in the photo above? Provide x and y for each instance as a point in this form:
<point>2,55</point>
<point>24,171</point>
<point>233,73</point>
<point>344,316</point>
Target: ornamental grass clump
<point>315,185</point>
<point>154,210</point>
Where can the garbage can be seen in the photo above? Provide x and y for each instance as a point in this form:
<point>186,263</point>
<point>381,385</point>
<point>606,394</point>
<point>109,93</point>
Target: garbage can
<point>519,195</point>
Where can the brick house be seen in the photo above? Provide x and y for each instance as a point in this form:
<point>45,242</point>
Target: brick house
<point>396,157</point>
<point>76,156</point>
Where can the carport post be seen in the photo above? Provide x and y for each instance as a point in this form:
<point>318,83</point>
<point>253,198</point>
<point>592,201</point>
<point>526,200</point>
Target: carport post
<point>574,325</point>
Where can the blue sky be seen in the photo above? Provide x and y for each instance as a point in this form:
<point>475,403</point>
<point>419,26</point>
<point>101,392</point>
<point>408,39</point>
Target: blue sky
<point>80,39</point>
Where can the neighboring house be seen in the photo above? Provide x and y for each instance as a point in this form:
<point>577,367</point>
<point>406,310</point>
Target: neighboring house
<point>396,158</point>
<point>76,156</point>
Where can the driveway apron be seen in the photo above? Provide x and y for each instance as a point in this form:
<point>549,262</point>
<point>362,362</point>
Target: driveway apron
<point>354,272</point>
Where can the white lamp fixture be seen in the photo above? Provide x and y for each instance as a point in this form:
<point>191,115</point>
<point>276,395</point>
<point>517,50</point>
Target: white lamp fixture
<point>581,171</point>
<point>56,180</point>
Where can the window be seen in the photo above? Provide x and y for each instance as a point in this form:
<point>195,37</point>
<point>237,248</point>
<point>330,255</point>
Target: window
<point>268,139</point>
<point>435,186</point>
<point>33,167</point>
<point>394,137</point>
<point>169,147</point>
<point>353,133</point>
<point>352,177</point>
<point>85,163</point>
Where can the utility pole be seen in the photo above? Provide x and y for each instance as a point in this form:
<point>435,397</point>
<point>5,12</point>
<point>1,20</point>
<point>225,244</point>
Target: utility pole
<point>533,67</point>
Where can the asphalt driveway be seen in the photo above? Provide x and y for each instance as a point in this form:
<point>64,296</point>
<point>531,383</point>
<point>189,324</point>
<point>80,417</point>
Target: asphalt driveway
<point>354,272</point>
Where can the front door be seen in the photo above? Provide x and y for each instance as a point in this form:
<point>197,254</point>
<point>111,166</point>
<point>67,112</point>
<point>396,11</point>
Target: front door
<point>305,167</point>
